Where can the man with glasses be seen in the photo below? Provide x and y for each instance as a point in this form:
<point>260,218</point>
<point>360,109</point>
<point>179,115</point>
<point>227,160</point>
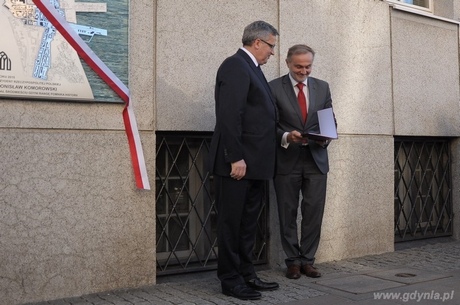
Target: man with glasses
<point>242,158</point>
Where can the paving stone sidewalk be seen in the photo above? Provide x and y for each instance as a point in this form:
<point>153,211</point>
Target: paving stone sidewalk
<point>417,274</point>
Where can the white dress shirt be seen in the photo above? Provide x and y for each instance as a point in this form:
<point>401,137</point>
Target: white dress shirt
<point>284,142</point>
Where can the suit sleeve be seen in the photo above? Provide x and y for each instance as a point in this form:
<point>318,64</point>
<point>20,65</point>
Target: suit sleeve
<point>232,88</point>
<point>275,86</point>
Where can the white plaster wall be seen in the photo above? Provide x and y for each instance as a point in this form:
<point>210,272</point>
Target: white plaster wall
<point>71,219</point>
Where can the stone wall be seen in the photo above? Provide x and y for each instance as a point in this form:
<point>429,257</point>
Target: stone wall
<point>72,221</point>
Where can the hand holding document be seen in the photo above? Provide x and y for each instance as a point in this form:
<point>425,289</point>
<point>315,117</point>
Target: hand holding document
<point>327,128</point>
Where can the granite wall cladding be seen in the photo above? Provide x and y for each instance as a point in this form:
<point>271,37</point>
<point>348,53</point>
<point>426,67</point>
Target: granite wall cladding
<point>72,221</point>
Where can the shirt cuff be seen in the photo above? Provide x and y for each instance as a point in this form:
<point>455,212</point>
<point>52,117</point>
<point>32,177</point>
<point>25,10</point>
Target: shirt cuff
<point>284,142</point>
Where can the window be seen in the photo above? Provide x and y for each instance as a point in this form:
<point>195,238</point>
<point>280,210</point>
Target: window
<point>423,202</point>
<point>186,216</point>
<point>426,5</point>
<point>185,212</point>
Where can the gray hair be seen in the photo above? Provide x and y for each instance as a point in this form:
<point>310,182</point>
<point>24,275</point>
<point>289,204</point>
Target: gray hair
<point>258,30</point>
<point>299,49</point>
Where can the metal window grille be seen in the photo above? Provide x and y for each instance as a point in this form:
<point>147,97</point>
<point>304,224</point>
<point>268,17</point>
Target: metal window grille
<point>186,216</point>
<point>423,205</point>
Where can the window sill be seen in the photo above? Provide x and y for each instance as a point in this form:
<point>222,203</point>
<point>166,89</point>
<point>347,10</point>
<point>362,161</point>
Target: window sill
<point>420,12</point>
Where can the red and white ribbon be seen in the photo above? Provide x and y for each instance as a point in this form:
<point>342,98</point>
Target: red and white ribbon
<point>135,146</point>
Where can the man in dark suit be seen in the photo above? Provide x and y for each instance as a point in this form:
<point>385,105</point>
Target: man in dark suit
<point>302,163</point>
<point>242,156</point>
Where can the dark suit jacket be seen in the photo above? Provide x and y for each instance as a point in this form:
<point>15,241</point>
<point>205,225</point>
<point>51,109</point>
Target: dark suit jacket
<point>245,119</point>
<point>290,118</point>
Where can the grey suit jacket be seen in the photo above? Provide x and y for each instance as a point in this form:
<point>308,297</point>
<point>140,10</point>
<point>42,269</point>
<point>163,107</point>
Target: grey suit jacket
<point>290,118</point>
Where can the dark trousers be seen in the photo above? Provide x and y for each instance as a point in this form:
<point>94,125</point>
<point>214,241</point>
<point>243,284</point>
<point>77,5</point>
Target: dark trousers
<point>238,206</point>
<point>307,179</point>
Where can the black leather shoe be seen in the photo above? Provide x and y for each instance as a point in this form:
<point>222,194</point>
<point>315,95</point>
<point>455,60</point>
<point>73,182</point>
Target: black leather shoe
<point>258,284</point>
<point>242,292</point>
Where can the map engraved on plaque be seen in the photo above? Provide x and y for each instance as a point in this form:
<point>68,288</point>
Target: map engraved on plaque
<point>37,62</point>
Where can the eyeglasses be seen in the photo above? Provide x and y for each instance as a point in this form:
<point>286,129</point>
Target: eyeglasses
<point>272,46</point>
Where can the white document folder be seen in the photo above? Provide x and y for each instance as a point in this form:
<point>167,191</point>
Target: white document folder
<point>327,128</point>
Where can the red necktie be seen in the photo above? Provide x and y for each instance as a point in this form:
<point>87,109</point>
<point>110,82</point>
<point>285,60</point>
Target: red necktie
<point>302,101</point>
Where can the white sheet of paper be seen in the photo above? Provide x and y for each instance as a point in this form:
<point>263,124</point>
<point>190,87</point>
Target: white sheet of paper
<point>327,128</point>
